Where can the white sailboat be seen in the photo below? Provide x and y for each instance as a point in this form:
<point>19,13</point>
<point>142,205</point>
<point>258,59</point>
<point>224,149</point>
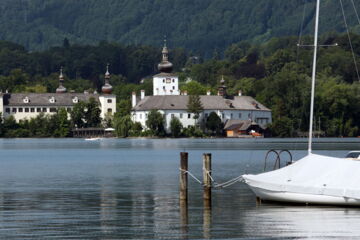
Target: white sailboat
<point>314,179</point>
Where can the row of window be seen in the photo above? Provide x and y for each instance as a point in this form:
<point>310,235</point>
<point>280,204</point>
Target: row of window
<point>168,80</point>
<point>33,109</point>
<point>39,110</point>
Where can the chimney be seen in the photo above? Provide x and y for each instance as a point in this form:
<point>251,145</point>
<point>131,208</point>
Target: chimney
<point>133,99</point>
<point>142,94</point>
<point>240,93</point>
<point>208,92</point>
<point>185,93</point>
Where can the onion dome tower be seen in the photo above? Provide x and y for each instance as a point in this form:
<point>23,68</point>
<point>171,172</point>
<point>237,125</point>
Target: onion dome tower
<point>222,87</point>
<point>165,66</point>
<point>61,88</point>
<point>107,88</point>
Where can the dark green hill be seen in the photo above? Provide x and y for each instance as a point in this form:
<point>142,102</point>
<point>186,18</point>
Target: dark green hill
<point>199,25</point>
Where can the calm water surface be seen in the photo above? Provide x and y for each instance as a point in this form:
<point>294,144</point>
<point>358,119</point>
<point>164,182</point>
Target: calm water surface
<point>128,189</point>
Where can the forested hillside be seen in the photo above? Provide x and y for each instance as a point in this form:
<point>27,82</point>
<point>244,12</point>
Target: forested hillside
<point>199,25</point>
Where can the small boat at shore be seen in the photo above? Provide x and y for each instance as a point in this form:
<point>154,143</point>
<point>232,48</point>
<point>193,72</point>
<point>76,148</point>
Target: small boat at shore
<point>93,139</point>
<point>314,179</point>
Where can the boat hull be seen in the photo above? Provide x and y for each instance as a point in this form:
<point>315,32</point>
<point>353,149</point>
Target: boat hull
<point>291,197</point>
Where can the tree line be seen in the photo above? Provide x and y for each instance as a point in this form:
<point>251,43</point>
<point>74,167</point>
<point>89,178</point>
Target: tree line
<point>276,73</point>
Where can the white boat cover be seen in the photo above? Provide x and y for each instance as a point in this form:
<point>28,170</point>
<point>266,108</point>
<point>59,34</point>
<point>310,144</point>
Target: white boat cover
<point>313,174</point>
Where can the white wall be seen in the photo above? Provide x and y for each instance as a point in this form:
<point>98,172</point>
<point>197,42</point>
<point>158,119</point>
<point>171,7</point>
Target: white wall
<point>28,115</point>
<point>183,116</point>
<point>166,85</point>
<point>105,106</point>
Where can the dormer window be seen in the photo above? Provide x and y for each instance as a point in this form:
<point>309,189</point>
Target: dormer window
<point>26,100</point>
<point>52,100</point>
<point>75,100</point>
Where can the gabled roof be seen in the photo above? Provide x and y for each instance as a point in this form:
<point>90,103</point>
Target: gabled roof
<point>241,125</point>
<point>209,102</point>
<point>43,99</point>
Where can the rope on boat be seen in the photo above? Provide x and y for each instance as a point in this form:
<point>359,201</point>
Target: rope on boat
<point>215,184</point>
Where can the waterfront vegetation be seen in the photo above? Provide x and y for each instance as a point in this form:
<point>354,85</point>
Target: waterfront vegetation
<point>276,73</point>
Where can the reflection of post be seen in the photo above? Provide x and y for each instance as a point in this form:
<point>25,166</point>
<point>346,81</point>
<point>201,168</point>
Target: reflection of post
<point>184,192</point>
<point>206,220</point>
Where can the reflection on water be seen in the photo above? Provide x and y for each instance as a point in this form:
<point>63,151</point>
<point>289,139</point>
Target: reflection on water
<point>122,189</point>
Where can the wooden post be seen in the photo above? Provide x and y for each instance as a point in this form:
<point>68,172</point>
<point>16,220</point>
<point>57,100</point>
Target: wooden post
<point>183,176</point>
<point>184,192</point>
<point>207,179</point>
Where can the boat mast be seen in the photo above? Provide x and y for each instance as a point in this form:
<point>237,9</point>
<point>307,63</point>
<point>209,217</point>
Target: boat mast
<point>314,74</point>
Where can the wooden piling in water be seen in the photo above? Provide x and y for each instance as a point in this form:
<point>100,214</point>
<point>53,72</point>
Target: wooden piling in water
<point>207,179</point>
<point>184,176</point>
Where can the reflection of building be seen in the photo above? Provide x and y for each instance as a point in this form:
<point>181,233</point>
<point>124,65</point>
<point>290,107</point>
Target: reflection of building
<point>170,102</point>
<point>29,105</point>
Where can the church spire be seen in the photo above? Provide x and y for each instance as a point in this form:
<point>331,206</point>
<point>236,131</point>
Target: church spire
<point>107,88</point>
<point>61,88</point>
<point>165,65</point>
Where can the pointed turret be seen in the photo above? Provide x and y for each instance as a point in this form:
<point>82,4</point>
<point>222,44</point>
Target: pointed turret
<point>61,88</point>
<point>107,88</point>
<point>222,87</point>
<point>165,65</point>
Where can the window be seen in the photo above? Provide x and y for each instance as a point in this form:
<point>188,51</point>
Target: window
<point>26,109</point>
<point>168,80</point>
<point>206,115</point>
<point>7,110</point>
<point>44,109</point>
<point>52,109</point>
<point>164,87</point>
<point>239,115</point>
<point>26,100</point>
<point>14,110</point>
<point>231,116</point>
<point>222,116</point>
<point>189,115</point>
<point>109,100</point>
<point>38,109</point>
<point>32,109</point>
<point>109,110</point>
<point>172,116</point>
<point>173,80</point>
<point>173,87</point>
<point>75,100</point>
<point>20,109</point>
<point>52,100</point>
<point>164,80</point>
<point>140,116</point>
<point>68,109</point>
<point>181,115</point>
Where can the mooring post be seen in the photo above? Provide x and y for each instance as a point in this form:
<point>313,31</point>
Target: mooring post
<point>183,176</point>
<point>184,191</point>
<point>207,179</point>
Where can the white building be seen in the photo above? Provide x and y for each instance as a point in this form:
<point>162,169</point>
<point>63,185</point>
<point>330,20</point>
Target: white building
<point>28,105</point>
<point>168,100</point>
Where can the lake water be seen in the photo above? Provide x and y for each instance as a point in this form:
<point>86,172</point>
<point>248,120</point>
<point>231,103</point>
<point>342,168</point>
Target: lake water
<point>128,189</point>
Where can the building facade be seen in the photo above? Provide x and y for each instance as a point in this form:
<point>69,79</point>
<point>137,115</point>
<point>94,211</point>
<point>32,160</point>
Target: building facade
<point>29,105</point>
<point>168,100</point>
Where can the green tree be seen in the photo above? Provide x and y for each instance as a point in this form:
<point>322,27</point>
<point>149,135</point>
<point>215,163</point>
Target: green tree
<point>92,113</point>
<point>123,126</point>
<point>77,115</point>
<point>195,106</point>
<point>175,127</point>
<point>155,122</point>
<point>214,123</point>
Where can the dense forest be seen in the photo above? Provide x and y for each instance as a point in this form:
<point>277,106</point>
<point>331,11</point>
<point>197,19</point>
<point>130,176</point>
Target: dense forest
<point>276,73</point>
<point>201,26</point>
